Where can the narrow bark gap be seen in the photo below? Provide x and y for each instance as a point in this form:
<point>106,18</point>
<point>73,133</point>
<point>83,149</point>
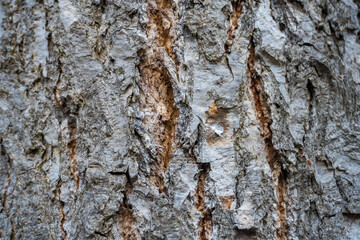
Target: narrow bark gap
<point>72,126</point>
<point>354,216</point>
<point>263,114</point>
<point>126,217</point>
<point>117,173</point>
<point>13,233</point>
<point>62,220</point>
<point>99,233</point>
<point>6,193</point>
<point>245,234</point>
<point>205,226</point>
<point>58,82</point>
<point>3,153</point>
<point>233,23</point>
<point>311,89</point>
<point>72,145</point>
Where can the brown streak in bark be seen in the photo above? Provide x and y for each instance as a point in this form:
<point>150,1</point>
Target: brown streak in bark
<point>263,114</point>
<point>72,145</point>
<point>233,23</point>
<point>217,115</point>
<point>158,98</point>
<point>162,20</point>
<point>126,218</point>
<point>157,92</point>
<point>72,128</point>
<point>205,225</point>
<point>161,23</point>
<point>63,219</point>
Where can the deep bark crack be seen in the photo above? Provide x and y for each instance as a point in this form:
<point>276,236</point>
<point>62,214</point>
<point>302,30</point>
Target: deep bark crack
<point>6,193</point>
<point>13,233</point>
<point>162,21</point>
<point>263,114</point>
<point>233,23</point>
<point>126,217</point>
<point>157,94</point>
<point>58,82</point>
<point>3,153</point>
<point>63,219</point>
<point>72,126</point>
<point>205,226</point>
<point>158,99</point>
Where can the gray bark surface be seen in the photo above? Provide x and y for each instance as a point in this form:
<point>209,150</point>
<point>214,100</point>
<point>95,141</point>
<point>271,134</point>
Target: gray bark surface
<point>180,119</point>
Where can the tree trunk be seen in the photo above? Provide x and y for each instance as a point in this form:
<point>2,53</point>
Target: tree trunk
<point>180,119</point>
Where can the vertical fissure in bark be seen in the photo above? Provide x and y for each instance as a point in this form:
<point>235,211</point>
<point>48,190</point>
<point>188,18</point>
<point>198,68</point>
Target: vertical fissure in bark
<point>205,226</point>
<point>13,233</point>
<point>72,145</point>
<point>233,23</point>
<point>72,126</point>
<point>311,91</point>
<point>62,220</point>
<point>4,154</point>
<point>263,114</point>
<point>58,82</point>
<point>158,100</point>
<point>126,220</point>
<point>162,22</point>
<point>157,94</point>
<point>61,209</point>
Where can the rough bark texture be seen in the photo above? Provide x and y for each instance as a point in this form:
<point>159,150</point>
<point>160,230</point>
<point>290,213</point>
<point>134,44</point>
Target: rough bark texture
<point>180,119</point>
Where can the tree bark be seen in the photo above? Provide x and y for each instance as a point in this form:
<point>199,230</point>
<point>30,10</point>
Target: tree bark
<point>180,119</point>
